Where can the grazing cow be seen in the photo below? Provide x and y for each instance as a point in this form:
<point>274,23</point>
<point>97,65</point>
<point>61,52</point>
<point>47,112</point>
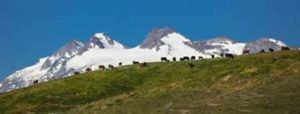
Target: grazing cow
<point>164,59</point>
<point>212,56</point>
<point>200,57</point>
<point>262,51</point>
<point>174,58</point>
<point>285,48</point>
<point>246,52</point>
<point>35,82</point>
<point>135,62</point>
<point>143,65</point>
<point>120,63</point>
<point>110,66</point>
<point>186,58</point>
<point>88,69</point>
<point>193,58</point>
<point>271,50</point>
<point>76,73</point>
<point>227,55</point>
<point>191,65</point>
<point>181,59</point>
<point>101,67</point>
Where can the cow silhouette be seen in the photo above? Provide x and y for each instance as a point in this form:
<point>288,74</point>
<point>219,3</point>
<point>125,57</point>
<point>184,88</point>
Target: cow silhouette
<point>110,66</point>
<point>193,58</point>
<point>88,70</point>
<point>174,58</point>
<point>101,67</point>
<point>285,48</point>
<point>164,59</point>
<point>35,82</point>
<point>271,50</point>
<point>246,52</point>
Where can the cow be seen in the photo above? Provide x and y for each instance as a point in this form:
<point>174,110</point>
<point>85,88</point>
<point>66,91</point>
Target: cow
<point>35,82</point>
<point>200,57</point>
<point>186,58</point>
<point>212,56</point>
<point>174,58</point>
<point>88,69</point>
<point>120,63</point>
<point>164,59</point>
<point>181,59</point>
<point>193,58</point>
<point>246,52</point>
<point>191,65</point>
<point>110,66</point>
<point>76,73</point>
<point>143,65</point>
<point>135,62</point>
<point>227,55</point>
<point>285,48</point>
<point>101,67</point>
<point>271,50</point>
<point>262,51</point>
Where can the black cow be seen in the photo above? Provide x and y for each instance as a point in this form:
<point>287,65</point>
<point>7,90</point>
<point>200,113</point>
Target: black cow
<point>101,67</point>
<point>88,69</point>
<point>120,63</point>
<point>200,57</point>
<point>285,48</point>
<point>271,50</point>
<point>110,66</point>
<point>212,56</point>
<point>135,62</point>
<point>262,51</point>
<point>181,59</point>
<point>185,58</point>
<point>76,73</point>
<point>193,58</point>
<point>227,55</point>
<point>246,52</point>
<point>174,58</point>
<point>164,59</point>
<point>35,82</point>
<point>191,65</point>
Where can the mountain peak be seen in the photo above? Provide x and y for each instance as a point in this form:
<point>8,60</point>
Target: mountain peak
<point>153,39</point>
<point>101,41</point>
<point>70,47</point>
<point>221,40</point>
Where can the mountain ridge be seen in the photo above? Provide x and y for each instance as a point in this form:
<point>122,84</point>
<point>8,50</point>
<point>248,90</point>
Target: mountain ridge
<point>76,56</point>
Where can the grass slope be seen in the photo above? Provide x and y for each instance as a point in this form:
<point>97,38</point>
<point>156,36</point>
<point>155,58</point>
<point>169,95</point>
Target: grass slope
<point>260,84</point>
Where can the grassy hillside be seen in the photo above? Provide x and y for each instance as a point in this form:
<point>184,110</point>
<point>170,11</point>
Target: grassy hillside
<point>266,83</point>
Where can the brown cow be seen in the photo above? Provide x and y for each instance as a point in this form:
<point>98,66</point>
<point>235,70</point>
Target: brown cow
<point>143,65</point>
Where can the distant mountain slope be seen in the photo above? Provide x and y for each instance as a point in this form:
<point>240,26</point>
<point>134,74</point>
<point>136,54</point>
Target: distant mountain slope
<point>261,84</point>
<point>101,49</point>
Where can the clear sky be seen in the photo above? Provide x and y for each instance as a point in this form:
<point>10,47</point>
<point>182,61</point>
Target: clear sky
<point>31,29</point>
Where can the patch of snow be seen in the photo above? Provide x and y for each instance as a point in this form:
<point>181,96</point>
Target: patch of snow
<point>280,43</point>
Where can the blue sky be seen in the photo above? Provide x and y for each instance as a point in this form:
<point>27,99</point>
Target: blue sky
<point>31,29</point>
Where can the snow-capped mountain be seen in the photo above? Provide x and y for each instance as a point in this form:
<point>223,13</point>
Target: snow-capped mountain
<point>101,49</point>
<point>264,44</point>
<point>219,45</point>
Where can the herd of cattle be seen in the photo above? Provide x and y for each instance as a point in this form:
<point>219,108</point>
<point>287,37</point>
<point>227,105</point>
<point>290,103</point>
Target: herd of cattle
<point>142,65</point>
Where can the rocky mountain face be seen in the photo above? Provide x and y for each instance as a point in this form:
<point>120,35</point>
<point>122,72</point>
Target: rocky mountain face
<point>101,49</point>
